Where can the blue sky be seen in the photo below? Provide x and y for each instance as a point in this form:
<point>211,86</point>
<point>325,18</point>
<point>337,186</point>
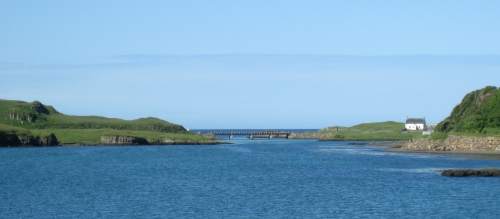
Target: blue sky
<point>250,64</point>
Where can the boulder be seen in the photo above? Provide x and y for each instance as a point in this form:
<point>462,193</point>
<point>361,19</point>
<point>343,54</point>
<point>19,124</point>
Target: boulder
<point>471,172</point>
<point>49,140</point>
<point>39,107</point>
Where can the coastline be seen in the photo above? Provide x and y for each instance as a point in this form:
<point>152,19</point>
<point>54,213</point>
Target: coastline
<point>455,146</point>
<point>397,147</point>
<point>402,150</point>
<point>113,145</point>
<point>479,154</point>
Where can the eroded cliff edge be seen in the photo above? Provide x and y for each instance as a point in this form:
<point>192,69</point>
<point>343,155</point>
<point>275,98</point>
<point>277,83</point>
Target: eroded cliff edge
<point>16,140</point>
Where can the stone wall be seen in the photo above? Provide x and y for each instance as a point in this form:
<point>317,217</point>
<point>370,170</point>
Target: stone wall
<point>456,143</point>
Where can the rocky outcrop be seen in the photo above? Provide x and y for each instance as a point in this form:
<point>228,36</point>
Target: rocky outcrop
<point>131,140</point>
<point>49,140</point>
<point>8,139</point>
<point>471,172</point>
<point>29,113</point>
<point>456,143</point>
<point>13,140</point>
<point>39,107</point>
<point>123,140</point>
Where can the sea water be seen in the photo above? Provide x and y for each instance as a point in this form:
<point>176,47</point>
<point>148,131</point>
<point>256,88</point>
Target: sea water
<point>247,179</point>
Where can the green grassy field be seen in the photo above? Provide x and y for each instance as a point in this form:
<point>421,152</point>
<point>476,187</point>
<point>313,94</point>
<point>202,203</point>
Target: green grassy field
<point>379,131</point>
<point>36,119</point>
<point>13,130</point>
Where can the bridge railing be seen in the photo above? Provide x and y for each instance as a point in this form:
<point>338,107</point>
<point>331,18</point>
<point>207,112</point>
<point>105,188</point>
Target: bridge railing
<point>247,132</point>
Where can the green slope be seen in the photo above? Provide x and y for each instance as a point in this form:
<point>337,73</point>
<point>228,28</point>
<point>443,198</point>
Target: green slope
<point>37,115</point>
<point>478,113</point>
<point>368,131</point>
<point>37,119</point>
<point>7,129</point>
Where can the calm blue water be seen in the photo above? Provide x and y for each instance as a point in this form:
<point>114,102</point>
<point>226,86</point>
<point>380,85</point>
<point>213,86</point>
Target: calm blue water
<point>249,179</point>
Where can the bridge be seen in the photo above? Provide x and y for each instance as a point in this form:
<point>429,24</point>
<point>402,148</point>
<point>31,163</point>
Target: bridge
<point>249,133</point>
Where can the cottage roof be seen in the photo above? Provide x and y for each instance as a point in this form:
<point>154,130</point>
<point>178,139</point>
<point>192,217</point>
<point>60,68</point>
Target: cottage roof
<point>415,121</point>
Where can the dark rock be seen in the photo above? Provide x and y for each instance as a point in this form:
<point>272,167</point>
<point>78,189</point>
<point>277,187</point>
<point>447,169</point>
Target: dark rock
<point>11,139</point>
<point>357,143</point>
<point>471,172</point>
<point>49,140</point>
<point>39,107</point>
<point>8,139</point>
<point>28,140</point>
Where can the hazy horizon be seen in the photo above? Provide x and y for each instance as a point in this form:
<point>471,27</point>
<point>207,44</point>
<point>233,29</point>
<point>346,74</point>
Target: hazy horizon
<point>253,91</point>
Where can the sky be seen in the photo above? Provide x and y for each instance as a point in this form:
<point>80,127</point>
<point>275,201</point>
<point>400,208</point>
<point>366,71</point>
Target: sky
<point>250,64</point>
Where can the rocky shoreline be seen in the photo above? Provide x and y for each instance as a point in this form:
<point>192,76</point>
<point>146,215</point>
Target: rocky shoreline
<point>131,140</point>
<point>15,140</point>
<point>453,143</point>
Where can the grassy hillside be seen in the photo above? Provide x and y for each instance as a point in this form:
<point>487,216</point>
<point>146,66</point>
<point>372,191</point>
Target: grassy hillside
<point>37,119</point>
<point>7,129</point>
<point>37,115</point>
<point>368,131</point>
<point>477,114</point>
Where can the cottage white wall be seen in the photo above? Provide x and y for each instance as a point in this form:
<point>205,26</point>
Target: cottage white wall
<point>414,127</point>
<point>410,126</point>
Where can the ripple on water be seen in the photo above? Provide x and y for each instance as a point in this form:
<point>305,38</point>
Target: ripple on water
<point>236,149</point>
<point>427,170</point>
<point>369,152</point>
<point>249,179</point>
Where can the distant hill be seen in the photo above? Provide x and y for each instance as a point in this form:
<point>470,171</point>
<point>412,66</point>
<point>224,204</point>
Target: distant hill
<point>374,131</point>
<point>380,126</point>
<point>38,115</point>
<point>33,123</point>
<point>479,112</point>
<point>364,132</point>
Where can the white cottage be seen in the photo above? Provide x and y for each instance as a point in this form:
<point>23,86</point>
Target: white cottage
<point>415,124</point>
